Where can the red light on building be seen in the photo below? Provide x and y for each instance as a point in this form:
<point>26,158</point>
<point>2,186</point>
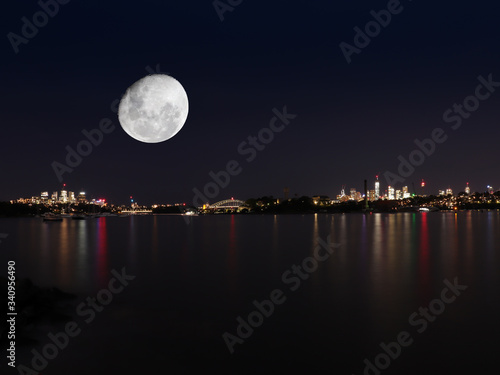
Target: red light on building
<point>423,183</point>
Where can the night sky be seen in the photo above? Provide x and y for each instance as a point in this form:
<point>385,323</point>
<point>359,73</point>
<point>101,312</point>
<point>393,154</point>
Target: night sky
<point>353,120</point>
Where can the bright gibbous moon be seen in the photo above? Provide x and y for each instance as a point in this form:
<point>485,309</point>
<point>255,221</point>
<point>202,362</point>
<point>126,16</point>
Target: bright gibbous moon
<point>154,108</point>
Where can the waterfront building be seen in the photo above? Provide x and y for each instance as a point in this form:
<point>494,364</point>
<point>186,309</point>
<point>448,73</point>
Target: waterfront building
<point>377,188</point>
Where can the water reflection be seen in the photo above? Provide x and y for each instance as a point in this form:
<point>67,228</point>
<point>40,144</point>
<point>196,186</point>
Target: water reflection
<point>64,256</point>
<point>378,245</point>
<point>132,242</point>
<point>315,233</point>
<point>44,242</point>
<point>186,243</point>
<point>387,266</point>
<point>102,252</point>
<point>363,259</point>
<point>489,259</point>
<point>424,267</point>
<point>275,247</point>
<point>82,249</point>
<point>469,237</point>
<point>154,239</point>
<point>232,261</point>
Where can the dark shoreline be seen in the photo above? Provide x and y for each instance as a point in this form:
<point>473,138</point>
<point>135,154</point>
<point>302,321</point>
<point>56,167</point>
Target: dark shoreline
<point>274,206</point>
<point>35,306</point>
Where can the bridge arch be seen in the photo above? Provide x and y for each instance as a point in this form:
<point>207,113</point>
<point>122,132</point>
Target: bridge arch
<point>227,203</point>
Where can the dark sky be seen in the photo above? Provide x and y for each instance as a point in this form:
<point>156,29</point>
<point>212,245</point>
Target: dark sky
<point>353,120</point>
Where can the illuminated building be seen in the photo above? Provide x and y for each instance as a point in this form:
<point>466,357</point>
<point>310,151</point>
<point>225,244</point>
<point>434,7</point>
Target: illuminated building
<point>467,189</point>
<point>44,197</point>
<point>71,197</point>
<point>390,192</point>
<point>406,194</point>
<point>353,194</point>
<point>371,195</point>
<point>99,202</point>
<point>449,191</point>
<point>377,188</point>
<point>490,189</point>
<point>64,196</point>
<point>441,192</point>
<point>81,197</point>
<point>399,195</point>
<point>342,197</point>
<point>54,197</point>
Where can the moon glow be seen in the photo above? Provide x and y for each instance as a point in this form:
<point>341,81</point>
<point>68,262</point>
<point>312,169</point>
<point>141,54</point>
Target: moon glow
<point>154,108</point>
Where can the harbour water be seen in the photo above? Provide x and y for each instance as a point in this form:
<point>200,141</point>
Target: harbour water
<point>431,280</point>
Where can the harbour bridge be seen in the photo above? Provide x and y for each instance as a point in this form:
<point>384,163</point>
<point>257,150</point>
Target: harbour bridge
<point>227,204</point>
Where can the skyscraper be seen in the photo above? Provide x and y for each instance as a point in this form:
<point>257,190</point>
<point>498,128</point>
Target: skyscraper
<point>390,192</point>
<point>467,189</point>
<point>342,197</point>
<point>377,188</point>
<point>64,196</point>
<point>406,194</point>
<point>371,195</point>
<point>81,197</point>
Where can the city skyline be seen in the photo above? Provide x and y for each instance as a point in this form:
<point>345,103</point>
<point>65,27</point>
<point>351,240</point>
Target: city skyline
<point>389,193</point>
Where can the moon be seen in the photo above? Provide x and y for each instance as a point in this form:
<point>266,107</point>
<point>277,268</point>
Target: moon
<point>154,108</point>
